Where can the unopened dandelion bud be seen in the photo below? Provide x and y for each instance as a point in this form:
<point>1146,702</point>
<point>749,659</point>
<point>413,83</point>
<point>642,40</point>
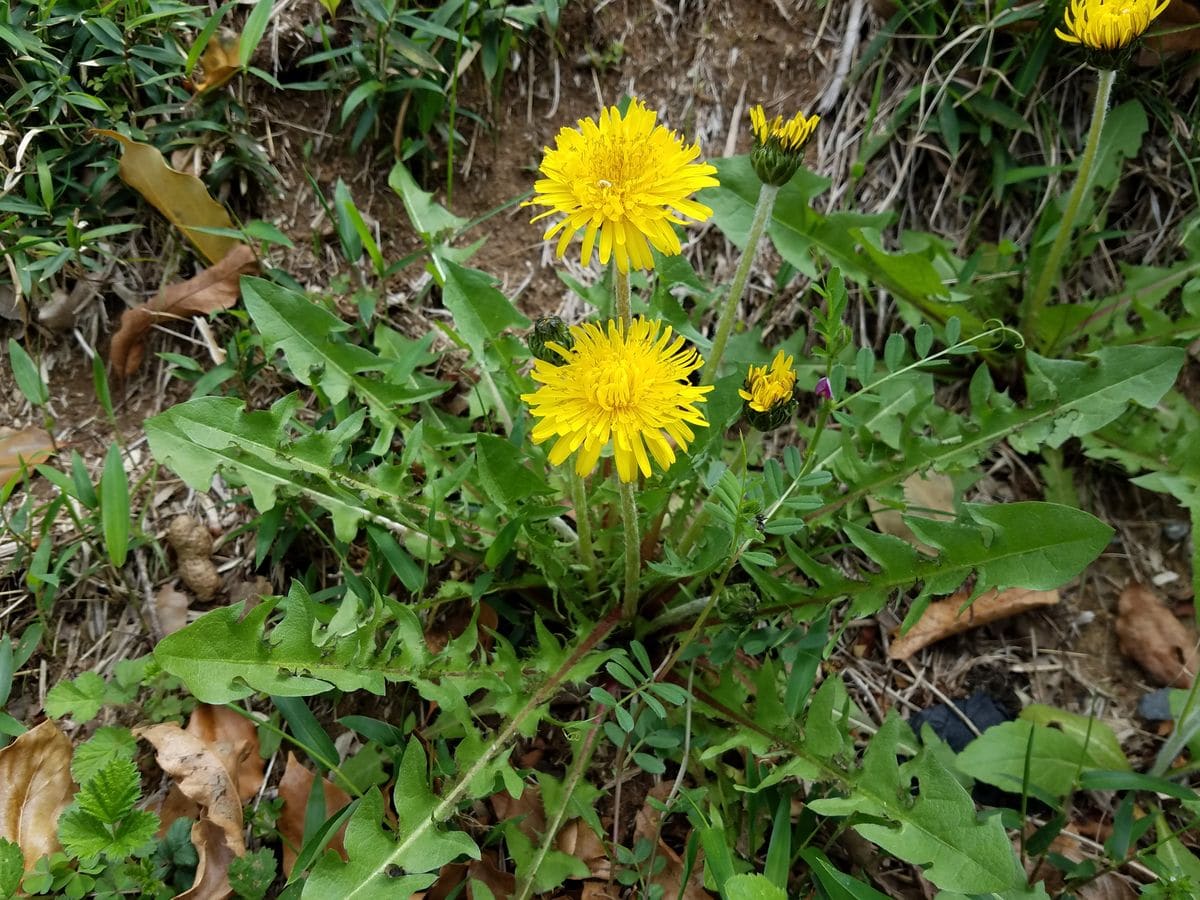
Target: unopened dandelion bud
<point>778,145</point>
<point>738,604</point>
<point>769,393</point>
<point>549,331</point>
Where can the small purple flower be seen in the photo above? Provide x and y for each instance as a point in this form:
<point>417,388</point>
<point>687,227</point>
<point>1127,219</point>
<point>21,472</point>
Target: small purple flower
<point>823,388</point>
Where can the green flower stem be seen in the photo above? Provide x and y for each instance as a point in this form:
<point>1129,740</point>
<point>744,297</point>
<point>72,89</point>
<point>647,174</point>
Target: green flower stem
<point>583,528</point>
<point>574,776</point>
<point>633,550</point>
<point>1036,302</point>
<point>621,295</point>
<point>762,214</point>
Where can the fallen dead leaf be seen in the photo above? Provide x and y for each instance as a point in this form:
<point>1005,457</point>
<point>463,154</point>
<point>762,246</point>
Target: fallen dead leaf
<point>599,890</point>
<point>487,871</point>
<point>35,787</point>
<point>526,809</point>
<point>455,622</point>
<point>30,446</point>
<point>182,198</point>
<point>294,788</point>
<point>928,497</point>
<point>210,291</point>
<point>171,607</point>
<point>577,839</point>
<point>12,305</point>
<point>1109,886</point>
<point>1157,641</point>
<point>942,619</point>
<point>669,877</point>
<point>220,61</point>
<point>235,741</point>
<point>202,778</point>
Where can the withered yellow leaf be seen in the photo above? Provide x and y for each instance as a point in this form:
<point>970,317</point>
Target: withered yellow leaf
<point>182,198</point>
<point>220,62</point>
<point>35,787</point>
<point>28,447</point>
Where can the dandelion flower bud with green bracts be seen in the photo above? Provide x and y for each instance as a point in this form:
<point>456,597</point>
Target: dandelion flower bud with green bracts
<point>549,331</point>
<point>769,393</point>
<point>621,387</point>
<point>1108,27</point>
<point>778,145</point>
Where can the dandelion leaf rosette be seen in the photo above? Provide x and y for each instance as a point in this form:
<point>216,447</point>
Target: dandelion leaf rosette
<point>935,827</point>
<point>384,864</point>
<point>225,656</point>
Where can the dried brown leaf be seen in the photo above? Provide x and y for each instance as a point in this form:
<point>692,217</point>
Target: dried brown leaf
<point>12,305</point>
<point>943,619</point>
<point>202,778</point>
<point>526,809</point>
<point>211,290</point>
<point>35,787</point>
<point>576,839</point>
<point>486,871</point>
<point>927,496</point>
<point>220,61</point>
<point>182,198</point>
<point>30,446</point>
<point>669,877</point>
<point>1150,635</point>
<point>235,741</point>
<point>171,607</point>
<point>294,788</point>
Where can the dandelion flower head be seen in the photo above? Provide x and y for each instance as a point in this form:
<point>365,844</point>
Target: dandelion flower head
<point>778,145</point>
<point>791,135</point>
<point>624,182</point>
<point>767,387</point>
<point>1108,25</point>
<point>618,386</point>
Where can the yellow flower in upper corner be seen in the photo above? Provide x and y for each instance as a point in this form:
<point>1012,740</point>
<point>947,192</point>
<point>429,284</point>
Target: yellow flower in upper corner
<point>1108,25</point>
<point>624,183</point>
<point>770,393</point>
<point>624,387</point>
<point>778,145</point>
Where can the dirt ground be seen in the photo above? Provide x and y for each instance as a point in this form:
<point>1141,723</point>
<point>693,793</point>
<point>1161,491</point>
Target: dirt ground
<point>701,65</point>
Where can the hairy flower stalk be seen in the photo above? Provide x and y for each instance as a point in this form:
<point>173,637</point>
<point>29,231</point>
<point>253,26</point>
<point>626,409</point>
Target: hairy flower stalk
<point>1109,30</point>
<point>625,182</point>
<point>777,153</point>
<point>624,388</point>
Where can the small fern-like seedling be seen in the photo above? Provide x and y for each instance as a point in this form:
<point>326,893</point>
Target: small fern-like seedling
<point>103,820</point>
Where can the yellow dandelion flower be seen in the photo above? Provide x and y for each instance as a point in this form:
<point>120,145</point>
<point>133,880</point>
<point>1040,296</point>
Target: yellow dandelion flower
<point>624,183</point>
<point>791,135</point>
<point>778,145</point>
<point>766,387</point>
<point>1108,25</point>
<point>627,387</point>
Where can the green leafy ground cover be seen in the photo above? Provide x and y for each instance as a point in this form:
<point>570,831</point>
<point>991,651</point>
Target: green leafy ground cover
<point>435,609</point>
